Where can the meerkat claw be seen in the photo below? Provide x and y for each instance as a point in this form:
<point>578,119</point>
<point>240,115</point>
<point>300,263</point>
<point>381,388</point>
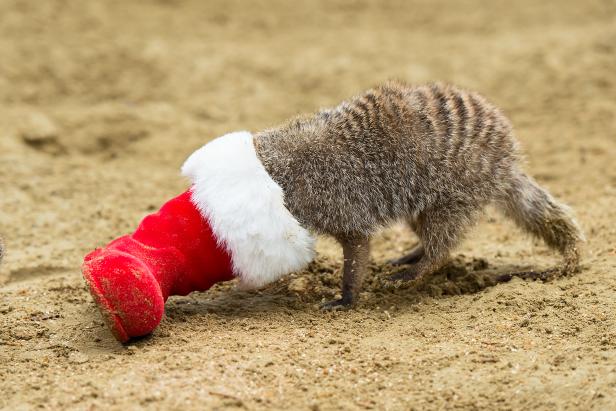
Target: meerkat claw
<point>404,260</point>
<point>412,257</point>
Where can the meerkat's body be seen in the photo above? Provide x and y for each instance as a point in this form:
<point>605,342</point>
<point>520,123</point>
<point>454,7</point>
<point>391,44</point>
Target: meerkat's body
<point>431,155</point>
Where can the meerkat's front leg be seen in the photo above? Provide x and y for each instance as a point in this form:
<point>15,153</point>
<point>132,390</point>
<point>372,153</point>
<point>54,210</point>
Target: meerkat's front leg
<point>356,250</point>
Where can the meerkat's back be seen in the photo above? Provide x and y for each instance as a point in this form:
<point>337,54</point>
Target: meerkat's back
<point>389,154</point>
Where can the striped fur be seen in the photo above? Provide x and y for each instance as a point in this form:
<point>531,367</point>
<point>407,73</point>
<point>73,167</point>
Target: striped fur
<point>433,155</point>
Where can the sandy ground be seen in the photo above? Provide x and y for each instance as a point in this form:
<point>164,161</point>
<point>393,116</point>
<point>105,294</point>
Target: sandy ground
<point>101,101</point>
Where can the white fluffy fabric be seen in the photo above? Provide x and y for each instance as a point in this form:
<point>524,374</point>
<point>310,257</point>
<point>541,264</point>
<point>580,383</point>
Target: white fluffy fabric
<point>246,210</point>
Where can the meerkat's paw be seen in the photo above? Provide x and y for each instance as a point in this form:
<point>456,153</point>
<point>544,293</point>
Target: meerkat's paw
<point>411,258</point>
<point>338,304</point>
<point>408,259</point>
<point>409,274</point>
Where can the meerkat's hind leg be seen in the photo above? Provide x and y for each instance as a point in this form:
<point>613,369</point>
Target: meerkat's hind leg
<point>440,229</point>
<point>356,250</point>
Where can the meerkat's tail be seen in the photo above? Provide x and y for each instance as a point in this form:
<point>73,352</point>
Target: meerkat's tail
<point>538,213</point>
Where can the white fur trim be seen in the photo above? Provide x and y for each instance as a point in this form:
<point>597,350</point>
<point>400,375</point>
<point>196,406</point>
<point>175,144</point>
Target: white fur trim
<point>246,210</point>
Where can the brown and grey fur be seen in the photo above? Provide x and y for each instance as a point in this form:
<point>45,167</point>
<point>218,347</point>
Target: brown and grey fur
<point>432,155</point>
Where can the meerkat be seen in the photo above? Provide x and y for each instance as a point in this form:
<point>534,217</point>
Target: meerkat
<point>432,155</point>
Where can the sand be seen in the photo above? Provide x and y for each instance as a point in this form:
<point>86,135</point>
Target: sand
<point>100,103</point>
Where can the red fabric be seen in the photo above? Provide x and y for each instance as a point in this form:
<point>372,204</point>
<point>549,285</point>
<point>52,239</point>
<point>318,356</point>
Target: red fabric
<point>172,252</point>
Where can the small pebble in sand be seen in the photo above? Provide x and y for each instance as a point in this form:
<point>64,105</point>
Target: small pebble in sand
<point>38,126</point>
<point>41,133</point>
<point>77,357</point>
